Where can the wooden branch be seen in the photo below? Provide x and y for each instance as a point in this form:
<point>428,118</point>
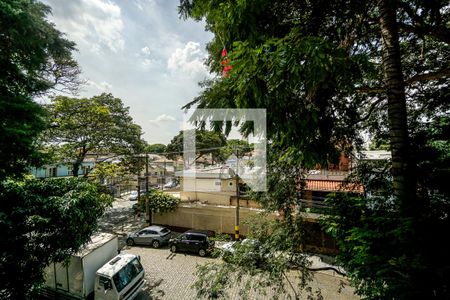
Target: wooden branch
<point>439,33</point>
<point>429,76</point>
<point>369,90</point>
<point>416,78</point>
<point>371,109</point>
<point>420,27</point>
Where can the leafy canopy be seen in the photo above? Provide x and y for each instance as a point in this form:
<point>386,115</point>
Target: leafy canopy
<point>100,125</point>
<point>158,202</point>
<point>156,148</point>
<point>206,142</point>
<point>43,221</point>
<point>317,68</point>
<point>35,58</point>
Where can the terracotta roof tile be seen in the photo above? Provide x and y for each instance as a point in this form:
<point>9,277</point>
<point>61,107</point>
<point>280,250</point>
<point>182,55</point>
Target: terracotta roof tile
<point>332,186</point>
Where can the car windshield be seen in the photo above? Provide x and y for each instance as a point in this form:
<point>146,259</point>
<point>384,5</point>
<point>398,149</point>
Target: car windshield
<point>127,274</point>
<point>165,230</point>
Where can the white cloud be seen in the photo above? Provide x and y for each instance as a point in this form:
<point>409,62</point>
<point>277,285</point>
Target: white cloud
<point>96,24</point>
<point>147,63</point>
<point>146,50</point>
<point>142,3</point>
<point>163,118</point>
<point>146,57</point>
<point>102,86</point>
<point>189,60</point>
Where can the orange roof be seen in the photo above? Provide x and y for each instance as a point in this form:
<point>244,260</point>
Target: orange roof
<point>332,186</point>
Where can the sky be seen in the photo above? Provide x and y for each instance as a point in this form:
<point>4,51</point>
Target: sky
<point>141,52</point>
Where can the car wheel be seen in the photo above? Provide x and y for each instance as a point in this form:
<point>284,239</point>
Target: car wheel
<point>155,244</point>
<point>130,242</point>
<point>173,248</point>
<point>202,252</point>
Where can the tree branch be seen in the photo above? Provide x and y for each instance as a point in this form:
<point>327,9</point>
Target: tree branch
<point>369,90</point>
<point>439,33</point>
<point>371,108</point>
<point>429,76</point>
<point>416,78</point>
<point>420,27</point>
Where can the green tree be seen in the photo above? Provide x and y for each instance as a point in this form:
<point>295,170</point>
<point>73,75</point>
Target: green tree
<point>156,148</point>
<point>243,147</point>
<point>158,202</point>
<point>35,58</point>
<point>43,221</point>
<point>100,125</point>
<point>206,142</point>
<point>328,71</point>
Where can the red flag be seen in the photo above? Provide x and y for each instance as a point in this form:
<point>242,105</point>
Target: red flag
<point>225,63</point>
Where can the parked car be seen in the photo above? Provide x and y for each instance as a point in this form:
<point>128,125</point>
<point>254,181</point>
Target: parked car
<point>196,241</point>
<point>171,185</point>
<point>250,247</point>
<point>153,235</point>
<point>133,196</point>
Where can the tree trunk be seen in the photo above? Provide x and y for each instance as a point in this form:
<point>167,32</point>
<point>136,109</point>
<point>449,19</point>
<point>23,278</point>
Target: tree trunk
<point>403,182</point>
<point>80,158</point>
<point>75,168</point>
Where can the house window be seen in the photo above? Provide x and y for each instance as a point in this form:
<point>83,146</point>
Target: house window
<point>85,170</point>
<point>230,183</point>
<point>52,172</point>
<point>218,183</point>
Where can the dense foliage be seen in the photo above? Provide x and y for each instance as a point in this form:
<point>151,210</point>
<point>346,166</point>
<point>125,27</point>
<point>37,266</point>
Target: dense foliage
<point>100,125</point>
<point>40,221</point>
<point>43,221</point>
<point>156,148</point>
<point>328,73</point>
<point>206,142</point>
<point>34,59</point>
<point>158,202</point>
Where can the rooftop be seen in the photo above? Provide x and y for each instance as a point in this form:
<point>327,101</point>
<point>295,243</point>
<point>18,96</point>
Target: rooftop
<point>114,265</point>
<point>97,240</point>
<point>222,172</point>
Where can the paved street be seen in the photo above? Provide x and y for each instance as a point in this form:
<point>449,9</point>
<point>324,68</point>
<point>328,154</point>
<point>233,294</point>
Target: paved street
<point>170,276</point>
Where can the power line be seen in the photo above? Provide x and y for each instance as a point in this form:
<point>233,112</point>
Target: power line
<point>193,151</point>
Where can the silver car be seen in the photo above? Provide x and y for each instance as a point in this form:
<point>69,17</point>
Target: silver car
<point>153,235</point>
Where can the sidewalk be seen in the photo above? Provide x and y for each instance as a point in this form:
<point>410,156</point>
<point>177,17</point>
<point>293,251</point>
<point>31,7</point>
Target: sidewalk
<point>121,220</point>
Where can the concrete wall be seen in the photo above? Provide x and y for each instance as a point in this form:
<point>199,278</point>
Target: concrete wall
<point>208,185</point>
<point>221,219</point>
<point>212,198</point>
<point>215,198</point>
<point>217,218</point>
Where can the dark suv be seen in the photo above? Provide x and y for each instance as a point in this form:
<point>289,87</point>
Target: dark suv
<point>196,241</point>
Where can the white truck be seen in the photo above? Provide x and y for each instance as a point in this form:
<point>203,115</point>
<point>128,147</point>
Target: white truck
<point>95,271</point>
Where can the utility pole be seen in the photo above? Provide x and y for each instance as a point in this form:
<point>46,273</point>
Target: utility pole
<point>163,176</point>
<point>148,213</point>
<point>236,226</point>
<point>146,173</point>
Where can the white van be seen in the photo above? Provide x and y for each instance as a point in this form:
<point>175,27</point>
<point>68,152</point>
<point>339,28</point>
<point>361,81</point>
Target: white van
<point>120,278</point>
<point>96,270</point>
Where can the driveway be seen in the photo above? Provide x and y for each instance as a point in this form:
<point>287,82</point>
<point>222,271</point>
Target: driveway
<point>170,276</point>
